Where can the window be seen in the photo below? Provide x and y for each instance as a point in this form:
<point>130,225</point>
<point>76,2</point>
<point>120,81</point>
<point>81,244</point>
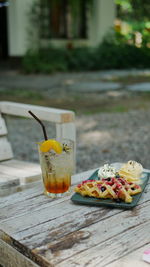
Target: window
<point>59,19</point>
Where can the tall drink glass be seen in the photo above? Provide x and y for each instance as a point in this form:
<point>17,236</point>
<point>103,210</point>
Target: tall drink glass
<point>57,169</point>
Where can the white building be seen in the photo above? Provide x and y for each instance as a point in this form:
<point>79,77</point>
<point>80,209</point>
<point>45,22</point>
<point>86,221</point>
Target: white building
<point>15,24</point>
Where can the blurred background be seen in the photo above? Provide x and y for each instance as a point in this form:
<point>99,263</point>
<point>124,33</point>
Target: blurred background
<point>90,56</point>
<point>74,35</point>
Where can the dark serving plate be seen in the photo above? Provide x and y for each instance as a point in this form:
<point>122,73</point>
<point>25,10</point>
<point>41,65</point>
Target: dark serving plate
<point>78,199</point>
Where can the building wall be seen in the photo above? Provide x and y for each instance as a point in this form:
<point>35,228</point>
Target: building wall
<point>17,13</point>
<point>101,21</point>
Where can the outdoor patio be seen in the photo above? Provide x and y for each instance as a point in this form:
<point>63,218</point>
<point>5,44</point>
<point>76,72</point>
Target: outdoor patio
<point>74,133</point>
<point>113,126</point>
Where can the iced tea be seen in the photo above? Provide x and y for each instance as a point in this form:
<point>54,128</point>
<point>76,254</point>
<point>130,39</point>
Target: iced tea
<point>57,169</point>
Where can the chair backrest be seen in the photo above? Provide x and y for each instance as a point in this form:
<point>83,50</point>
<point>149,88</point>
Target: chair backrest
<point>5,146</point>
<point>63,119</point>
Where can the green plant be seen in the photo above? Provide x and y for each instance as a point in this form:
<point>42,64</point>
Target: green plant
<point>45,60</point>
<point>113,53</point>
<point>80,59</point>
<point>135,13</point>
<point>133,10</point>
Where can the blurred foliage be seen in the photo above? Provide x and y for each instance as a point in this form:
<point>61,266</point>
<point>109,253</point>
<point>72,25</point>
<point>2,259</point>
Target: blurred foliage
<point>136,13</point>
<point>51,59</point>
<point>130,10</point>
<point>45,60</point>
<point>112,53</point>
<point>119,50</point>
<point>115,52</point>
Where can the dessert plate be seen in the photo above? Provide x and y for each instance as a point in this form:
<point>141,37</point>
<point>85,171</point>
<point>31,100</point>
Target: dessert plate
<point>78,199</point>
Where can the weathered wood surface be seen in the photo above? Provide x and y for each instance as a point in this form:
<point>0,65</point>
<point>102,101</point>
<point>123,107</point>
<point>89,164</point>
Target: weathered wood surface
<point>5,149</point>
<point>3,129</point>
<point>14,174</point>
<point>5,146</point>
<point>134,259</point>
<point>8,259</point>
<point>64,120</point>
<point>44,113</point>
<point>60,233</point>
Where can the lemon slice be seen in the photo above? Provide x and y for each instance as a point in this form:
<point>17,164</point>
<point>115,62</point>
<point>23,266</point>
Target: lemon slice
<point>51,144</point>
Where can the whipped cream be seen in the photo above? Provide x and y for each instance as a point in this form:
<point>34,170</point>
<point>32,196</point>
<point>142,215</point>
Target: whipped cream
<point>131,171</point>
<point>106,171</point>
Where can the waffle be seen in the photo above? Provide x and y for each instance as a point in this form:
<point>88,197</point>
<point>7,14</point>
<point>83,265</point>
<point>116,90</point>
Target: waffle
<point>112,188</point>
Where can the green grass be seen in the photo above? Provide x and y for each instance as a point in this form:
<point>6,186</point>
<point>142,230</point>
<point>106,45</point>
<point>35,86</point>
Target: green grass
<point>20,93</point>
<point>87,104</point>
<point>110,109</point>
<point>131,79</point>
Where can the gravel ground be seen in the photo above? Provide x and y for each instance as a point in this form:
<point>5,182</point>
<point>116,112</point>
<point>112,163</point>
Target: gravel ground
<point>101,138</point>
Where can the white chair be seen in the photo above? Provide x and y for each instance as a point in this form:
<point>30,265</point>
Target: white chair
<point>15,174</point>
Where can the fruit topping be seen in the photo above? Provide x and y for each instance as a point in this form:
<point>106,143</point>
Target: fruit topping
<point>108,179</point>
<point>51,144</point>
<point>103,188</point>
<point>118,189</point>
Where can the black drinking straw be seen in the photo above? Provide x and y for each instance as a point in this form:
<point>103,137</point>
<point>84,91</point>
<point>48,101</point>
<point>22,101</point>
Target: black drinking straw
<point>43,127</point>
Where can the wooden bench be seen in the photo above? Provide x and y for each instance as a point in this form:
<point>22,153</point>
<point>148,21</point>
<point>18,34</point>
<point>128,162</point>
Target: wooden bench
<point>16,174</point>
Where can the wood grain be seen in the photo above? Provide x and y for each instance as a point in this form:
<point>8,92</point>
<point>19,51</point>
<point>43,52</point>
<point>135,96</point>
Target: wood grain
<point>132,259</point>
<point>56,233</point>
<point>9,257</point>
<point>64,120</point>
<point>3,129</point>
<point>60,233</point>
<point>15,174</point>
<point>6,150</point>
<point>20,164</point>
<point>44,113</point>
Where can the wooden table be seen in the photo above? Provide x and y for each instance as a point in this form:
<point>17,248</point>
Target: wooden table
<point>38,231</point>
